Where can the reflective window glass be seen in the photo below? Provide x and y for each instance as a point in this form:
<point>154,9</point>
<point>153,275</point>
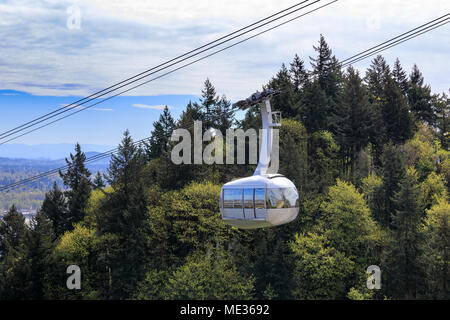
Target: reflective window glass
<point>237,198</point>
<point>291,197</point>
<point>228,198</point>
<point>282,198</point>
<point>260,198</point>
<point>248,198</point>
<point>275,199</point>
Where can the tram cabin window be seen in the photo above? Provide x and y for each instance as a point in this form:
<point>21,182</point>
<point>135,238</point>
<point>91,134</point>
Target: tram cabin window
<point>260,198</point>
<point>248,198</point>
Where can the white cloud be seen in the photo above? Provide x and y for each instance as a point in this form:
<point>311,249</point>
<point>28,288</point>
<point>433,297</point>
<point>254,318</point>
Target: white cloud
<point>145,106</point>
<point>118,39</point>
<point>102,109</point>
<point>82,107</point>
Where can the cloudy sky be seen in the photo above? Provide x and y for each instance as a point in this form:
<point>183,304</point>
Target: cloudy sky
<point>54,51</point>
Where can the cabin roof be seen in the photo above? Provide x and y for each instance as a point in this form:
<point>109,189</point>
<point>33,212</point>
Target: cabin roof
<point>261,181</point>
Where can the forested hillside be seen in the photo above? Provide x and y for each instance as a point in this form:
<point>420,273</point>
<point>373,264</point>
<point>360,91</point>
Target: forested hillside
<point>368,153</point>
<point>31,195</point>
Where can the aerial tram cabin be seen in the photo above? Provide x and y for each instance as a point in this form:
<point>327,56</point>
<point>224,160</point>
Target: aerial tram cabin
<point>262,200</point>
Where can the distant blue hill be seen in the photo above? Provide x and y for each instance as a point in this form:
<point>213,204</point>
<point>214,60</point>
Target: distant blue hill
<point>42,165</point>
<point>47,151</point>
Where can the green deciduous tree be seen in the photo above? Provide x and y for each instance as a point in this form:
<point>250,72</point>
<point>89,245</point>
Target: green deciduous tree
<point>321,271</point>
<point>202,277</point>
<point>437,250</point>
<point>347,222</point>
<point>293,152</point>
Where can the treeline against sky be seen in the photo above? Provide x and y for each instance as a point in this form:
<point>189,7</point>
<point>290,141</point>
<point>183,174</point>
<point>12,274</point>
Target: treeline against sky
<point>367,152</point>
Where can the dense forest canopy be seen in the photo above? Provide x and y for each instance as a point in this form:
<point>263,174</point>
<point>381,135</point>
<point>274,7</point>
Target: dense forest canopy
<point>367,152</point>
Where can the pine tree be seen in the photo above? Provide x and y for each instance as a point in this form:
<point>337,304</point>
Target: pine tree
<point>376,77</point>
<point>160,136</point>
<point>403,266</point>
<point>322,64</point>
<point>400,77</point>
<point>419,97</point>
<point>14,265</point>
<point>314,108</point>
<point>77,180</point>
<point>327,72</point>
<point>397,119</point>
<point>55,209</point>
<point>441,106</point>
<point>298,73</point>
<point>12,231</point>
<point>122,219</point>
<point>39,253</point>
<point>99,183</point>
<point>208,102</point>
<point>353,120</point>
<point>284,101</point>
<point>223,115</point>
<point>393,173</point>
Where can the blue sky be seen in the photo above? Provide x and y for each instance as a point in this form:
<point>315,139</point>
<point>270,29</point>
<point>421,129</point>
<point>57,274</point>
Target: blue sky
<point>44,63</point>
<point>102,124</point>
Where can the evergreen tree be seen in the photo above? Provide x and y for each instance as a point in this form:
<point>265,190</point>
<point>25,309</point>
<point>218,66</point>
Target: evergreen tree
<point>122,220</point>
<point>298,73</point>
<point>208,102</point>
<point>393,173</point>
<point>77,180</point>
<point>55,209</point>
<point>400,77</point>
<point>223,115</point>
<point>273,267</point>
<point>326,69</point>
<point>397,119</point>
<point>353,120</point>
<point>14,266</point>
<point>39,252</point>
<point>283,102</point>
<point>419,97</point>
<point>314,110</point>
<point>376,77</point>
<point>441,106</point>
<point>162,131</point>
<point>327,72</point>
<point>99,183</point>
<point>403,266</point>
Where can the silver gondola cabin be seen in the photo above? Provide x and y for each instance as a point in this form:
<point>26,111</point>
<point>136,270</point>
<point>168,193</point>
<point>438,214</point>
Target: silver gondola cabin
<point>262,200</point>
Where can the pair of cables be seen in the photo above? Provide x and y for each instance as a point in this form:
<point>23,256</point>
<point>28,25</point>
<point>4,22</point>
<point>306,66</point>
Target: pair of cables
<point>16,132</point>
<point>427,27</point>
<point>130,83</point>
<point>420,30</point>
<point>90,160</point>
